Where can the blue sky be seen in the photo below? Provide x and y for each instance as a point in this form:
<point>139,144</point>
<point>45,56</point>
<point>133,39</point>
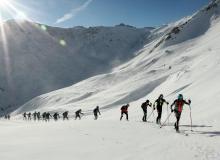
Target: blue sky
<point>139,13</point>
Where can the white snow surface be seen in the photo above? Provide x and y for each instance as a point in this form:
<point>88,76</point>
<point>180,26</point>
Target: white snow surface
<point>104,139</point>
<point>192,54</point>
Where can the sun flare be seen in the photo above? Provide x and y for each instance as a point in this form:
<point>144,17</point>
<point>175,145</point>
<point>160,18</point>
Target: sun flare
<point>4,3</point>
<point>15,11</point>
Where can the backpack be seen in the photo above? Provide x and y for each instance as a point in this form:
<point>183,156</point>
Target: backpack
<point>143,106</point>
<point>123,108</point>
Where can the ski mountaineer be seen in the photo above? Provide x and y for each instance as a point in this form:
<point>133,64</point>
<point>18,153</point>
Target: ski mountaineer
<point>38,116</point>
<point>78,113</point>
<point>35,116</point>
<point>65,115</point>
<point>29,116</point>
<point>48,115</point>
<point>44,116</point>
<point>96,111</point>
<point>144,107</point>
<point>124,110</point>
<point>25,116</point>
<point>159,104</point>
<point>178,107</point>
<point>56,116</point>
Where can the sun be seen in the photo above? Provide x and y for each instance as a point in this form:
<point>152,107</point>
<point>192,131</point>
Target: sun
<point>12,9</point>
<point>4,3</point>
<point>6,6</point>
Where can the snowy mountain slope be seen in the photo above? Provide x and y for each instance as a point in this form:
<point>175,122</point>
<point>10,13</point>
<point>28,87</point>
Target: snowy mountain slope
<point>147,73</point>
<point>195,25</point>
<point>194,72</point>
<point>53,58</point>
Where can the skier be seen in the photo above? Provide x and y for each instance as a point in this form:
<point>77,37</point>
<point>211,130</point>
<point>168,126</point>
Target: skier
<point>38,116</point>
<point>144,107</point>
<point>29,116</point>
<point>159,104</point>
<point>78,113</point>
<point>124,110</point>
<point>25,116</point>
<point>44,116</point>
<point>96,112</point>
<point>56,116</point>
<point>178,107</point>
<point>65,115</point>
<point>35,116</point>
<point>48,115</point>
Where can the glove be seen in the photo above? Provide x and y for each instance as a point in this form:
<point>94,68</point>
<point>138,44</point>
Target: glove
<point>172,110</point>
<point>189,101</point>
<point>167,103</point>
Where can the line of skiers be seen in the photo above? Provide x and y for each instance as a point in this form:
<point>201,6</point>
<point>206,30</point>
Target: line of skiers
<point>7,117</point>
<point>46,116</point>
<point>158,104</point>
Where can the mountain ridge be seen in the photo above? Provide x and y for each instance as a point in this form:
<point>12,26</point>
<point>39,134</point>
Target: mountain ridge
<point>46,56</point>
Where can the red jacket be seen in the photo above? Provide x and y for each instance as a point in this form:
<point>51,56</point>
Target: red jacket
<point>124,109</point>
<point>179,105</point>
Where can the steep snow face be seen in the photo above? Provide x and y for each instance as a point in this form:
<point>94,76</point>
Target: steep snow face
<point>190,67</point>
<point>189,27</point>
<point>39,58</point>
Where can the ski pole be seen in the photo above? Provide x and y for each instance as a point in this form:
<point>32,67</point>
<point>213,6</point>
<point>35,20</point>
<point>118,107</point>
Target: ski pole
<point>165,120</point>
<point>168,113</point>
<point>150,114</point>
<point>190,117</point>
<point>153,115</point>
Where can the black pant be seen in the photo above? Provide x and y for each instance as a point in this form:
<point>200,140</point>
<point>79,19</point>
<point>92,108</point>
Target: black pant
<point>145,116</point>
<point>96,116</point>
<point>122,113</point>
<point>78,116</point>
<point>178,115</point>
<point>65,118</point>
<point>159,111</point>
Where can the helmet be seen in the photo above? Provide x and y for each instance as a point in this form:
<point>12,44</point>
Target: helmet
<point>147,101</point>
<point>180,96</point>
<point>161,96</point>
